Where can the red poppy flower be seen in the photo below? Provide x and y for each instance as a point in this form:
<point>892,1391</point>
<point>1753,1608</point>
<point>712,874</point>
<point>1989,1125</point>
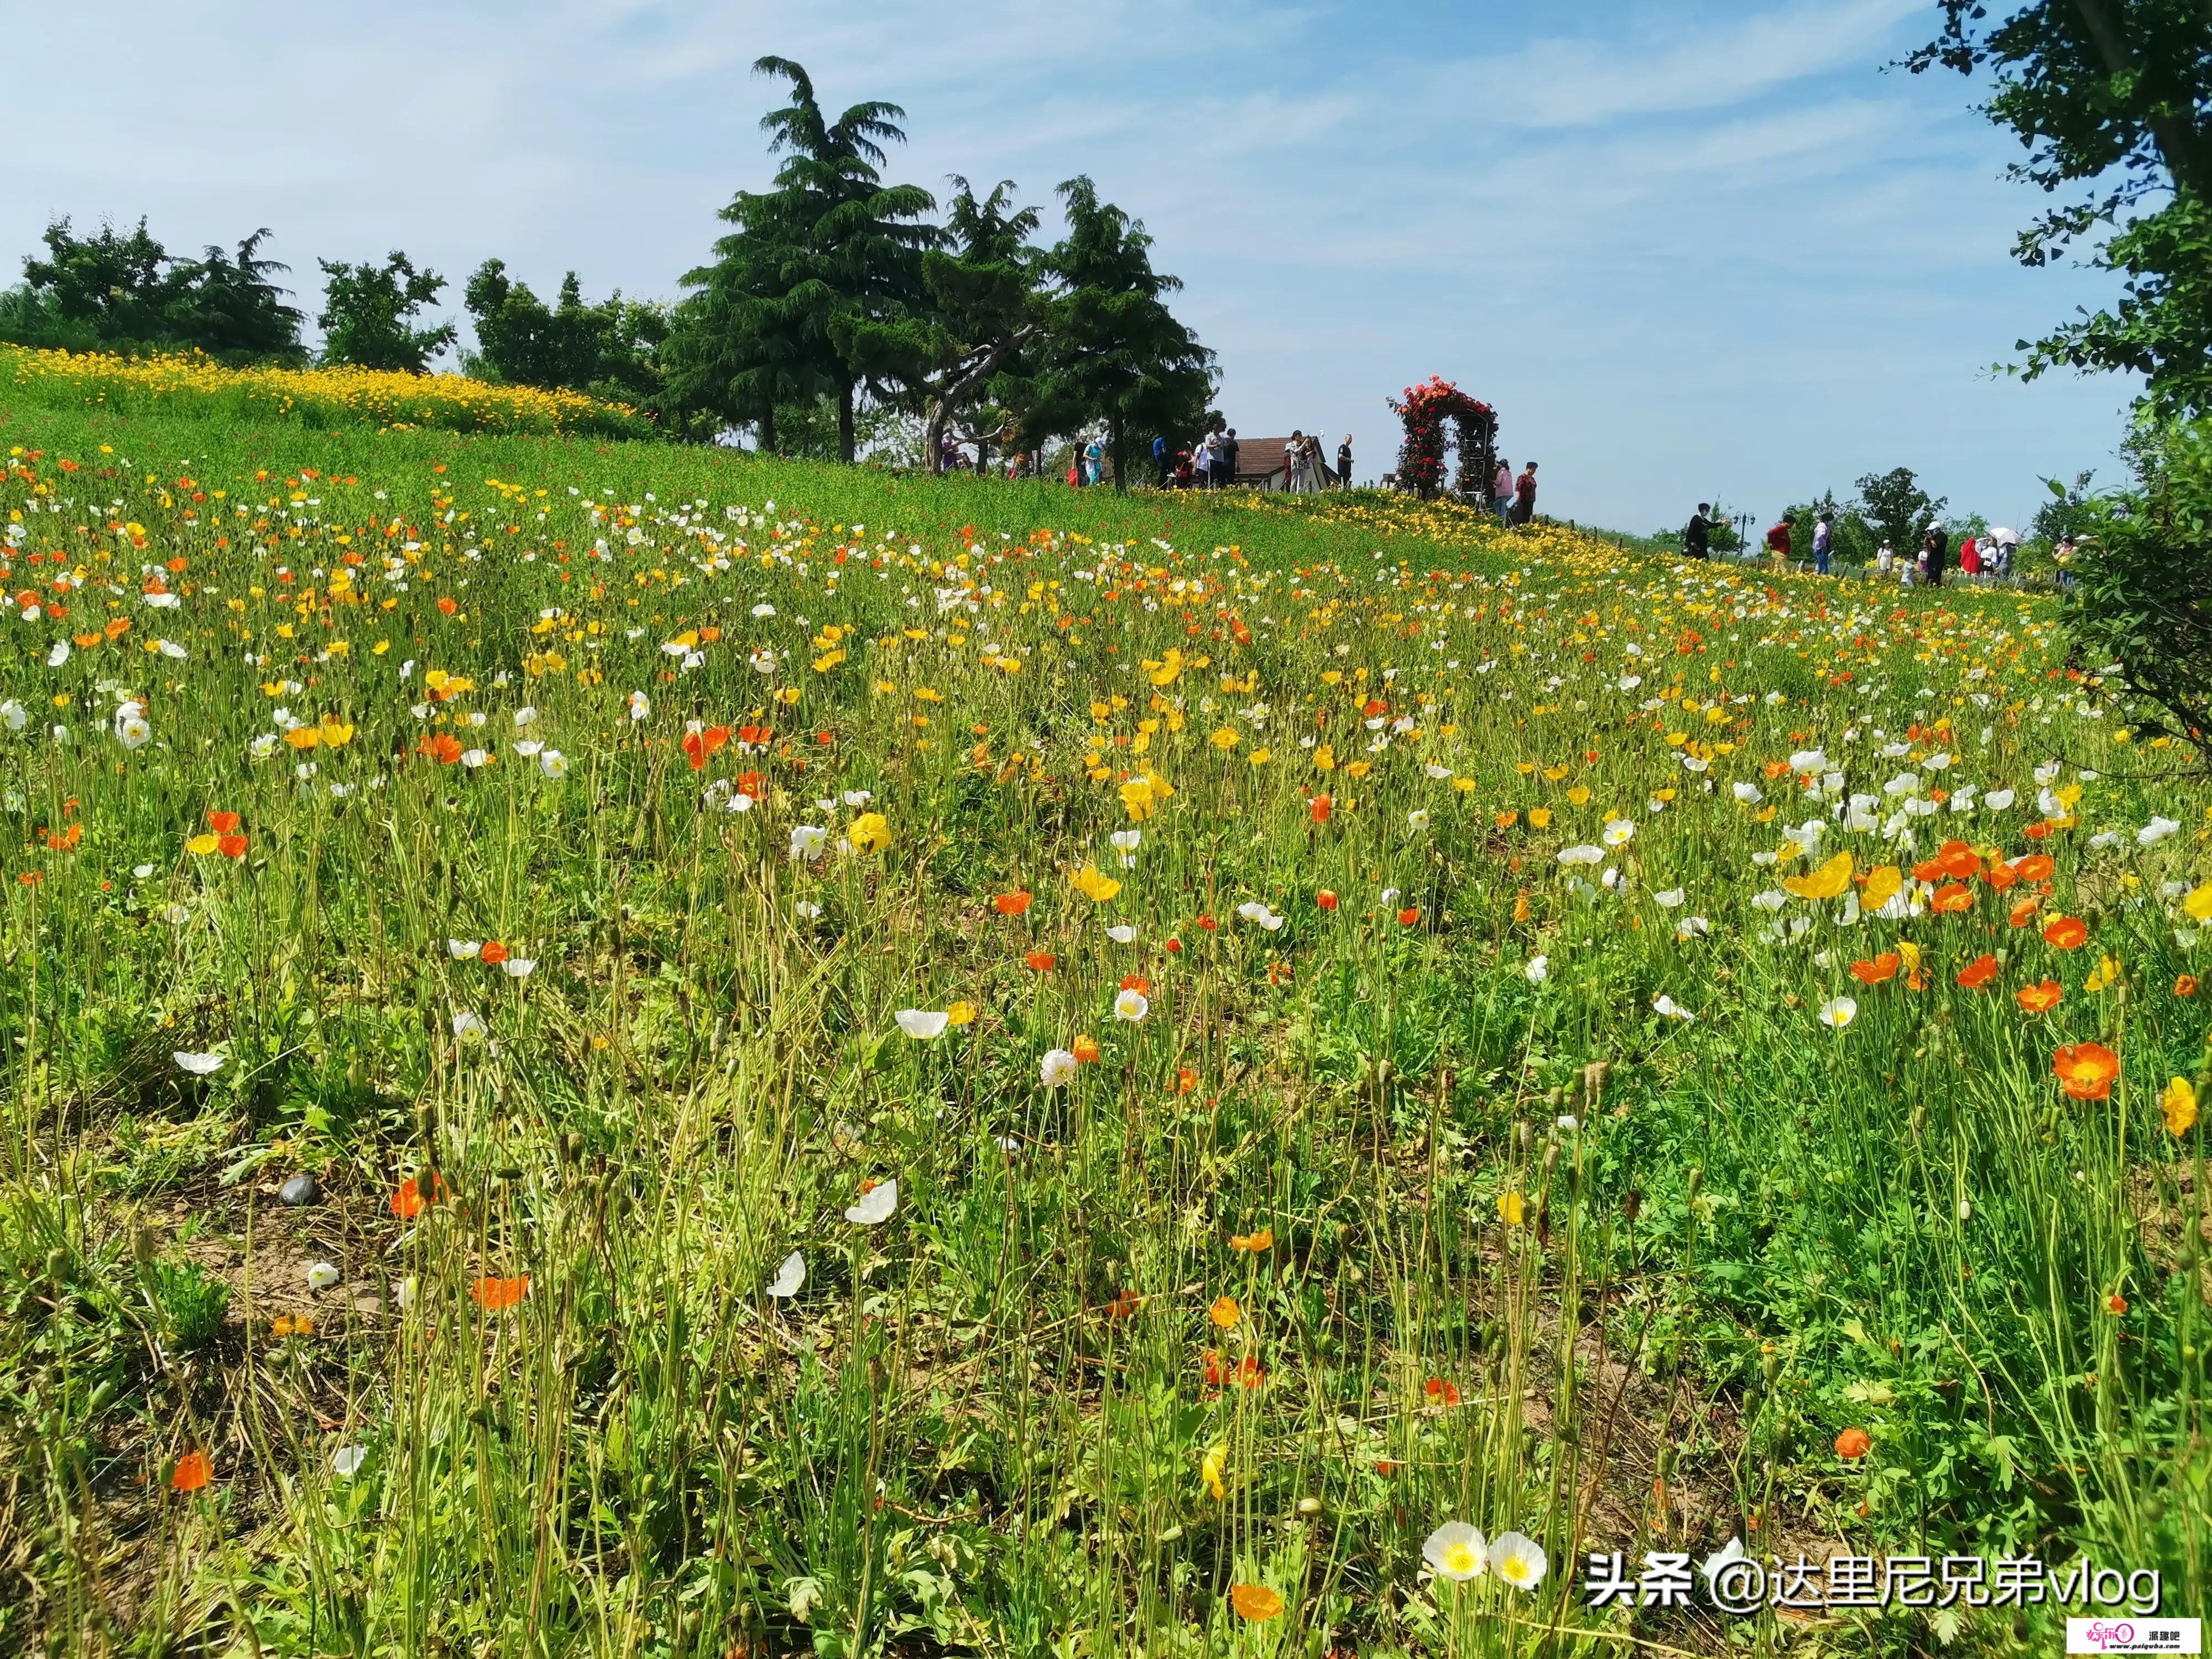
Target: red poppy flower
<point>1209,923</point>
<point>410,1200</point>
<point>1012,904</point>
<point>1409,915</point>
<point>1853,1443</point>
<point>1042,961</point>
<point>757,734</point>
<point>494,953</point>
<point>1883,968</point>
<point>231,846</point>
<point>1979,972</point>
<point>495,1294</point>
<point>1326,899</point>
<point>223,823</point>
<point>193,1471</point>
<point>1320,809</point>
<point>2067,934</point>
<point>1951,898</point>
<point>753,786</point>
<point>1440,1392</point>
<point>1138,983</point>
<point>699,744</point>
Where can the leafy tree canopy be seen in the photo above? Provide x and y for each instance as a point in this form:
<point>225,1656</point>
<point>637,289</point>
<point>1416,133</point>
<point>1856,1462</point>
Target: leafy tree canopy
<point>607,349</point>
<point>123,291</point>
<point>369,314</point>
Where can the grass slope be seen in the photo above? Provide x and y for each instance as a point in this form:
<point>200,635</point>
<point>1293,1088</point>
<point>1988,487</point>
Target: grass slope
<point>1372,1022</point>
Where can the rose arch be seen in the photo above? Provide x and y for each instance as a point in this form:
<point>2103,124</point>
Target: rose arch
<point>1426,409</point>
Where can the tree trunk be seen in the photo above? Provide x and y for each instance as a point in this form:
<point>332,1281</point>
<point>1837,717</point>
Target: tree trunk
<point>845,443</point>
<point>954,395</point>
<point>1114,427</point>
<point>767,428</point>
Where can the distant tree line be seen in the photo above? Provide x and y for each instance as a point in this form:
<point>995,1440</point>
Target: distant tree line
<point>837,308</point>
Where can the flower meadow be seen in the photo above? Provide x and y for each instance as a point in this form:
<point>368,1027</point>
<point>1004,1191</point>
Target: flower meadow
<point>638,1051</point>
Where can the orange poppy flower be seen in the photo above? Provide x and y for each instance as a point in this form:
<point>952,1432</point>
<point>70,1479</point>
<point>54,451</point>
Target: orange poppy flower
<point>698,745</point>
<point>753,786</point>
<point>1174,946</point>
<point>2036,866</point>
<point>495,1294</point>
<point>2039,832</point>
<point>1440,1392</point>
<point>1224,1312</point>
<point>1209,923</point>
<point>1956,859</point>
<point>2086,1070</point>
<point>2040,998</point>
<point>1409,915</point>
<point>1085,1049</point>
<point>410,1200</point>
<point>1254,1601</point>
<point>759,734</point>
<point>1247,1373</point>
<point>2000,876</point>
<point>223,823</point>
<point>1882,969</point>
<point>1122,1306</point>
<point>1042,961</point>
<point>2067,934</point>
<point>1138,983</point>
<point>445,604</point>
<point>2185,985</point>
<point>1979,972</point>
<point>1186,1080</point>
<point>1012,904</point>
<point>1320,809</point>
<point>1853,1443</point>
<point>1951,898</point>
<point>494,953</point>
<point>1326,899</point>
<point>1252,1243</point>
<point>2116,1304</point>
<point>193,1471</point>
<point>446,748</point>
<point>2023,912</point>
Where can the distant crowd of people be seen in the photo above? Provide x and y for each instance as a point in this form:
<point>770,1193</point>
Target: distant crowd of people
<point>1986,555</point>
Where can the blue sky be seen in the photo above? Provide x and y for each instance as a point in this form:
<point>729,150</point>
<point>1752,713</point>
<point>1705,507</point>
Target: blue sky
<point>1685,248</point>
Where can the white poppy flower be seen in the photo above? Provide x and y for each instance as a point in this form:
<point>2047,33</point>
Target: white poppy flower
<point>1672,899</point>
<point>641,706</point>
<point>1456,1551</point>
<point>807,841</point>
<point>1132,1006</point>
<point>876,1206</point>
<point>923,1024</point>
<point>1998,800</point>
<point>1839,1012</point>
<point>199,1064</point>
<point>1619,832</point>
<point>1731,1551</point>
<point>554,764</point>
<point>142,870</point>
<point>1538,971</point>
<point>1253,911</point>
<point>14,716</point>
<point>322,1276</point>
<point>1059,1068</point>
<point>1123,934</point>
<point>1672,1010</point>
<point>1692,927</point>
<point>520,967</point>
<point>1418,819</point>
<point>467,1026</point>
<point>1748,793</point>
<point>59,654</point>
<point>528,748</point>
<point>1518,1559</point>
<point>1584,854</point>
<point>2156,831</point>
<point>788,1277</point>
<point>346,1460</point>
<point>856,798</point>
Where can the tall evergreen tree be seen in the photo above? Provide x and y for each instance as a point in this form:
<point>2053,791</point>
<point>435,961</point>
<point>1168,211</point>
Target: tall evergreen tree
<point>789,308</point>
<point>124,291</point>
<point>608,349</point>
<point>1113,351</point>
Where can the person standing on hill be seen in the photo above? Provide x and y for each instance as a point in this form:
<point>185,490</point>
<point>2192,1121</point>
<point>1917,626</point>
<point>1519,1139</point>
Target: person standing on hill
<point>1501,491</point>
<point>1160,459</point>
<point>1698,534</point>
<point>1938,546</point>
<point>1777,543</point>
<point>1344,463</point>
<point>1295,462</point>
<point>1824,541</point>
<point>1226,465</point>
<point>1524,495</point>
